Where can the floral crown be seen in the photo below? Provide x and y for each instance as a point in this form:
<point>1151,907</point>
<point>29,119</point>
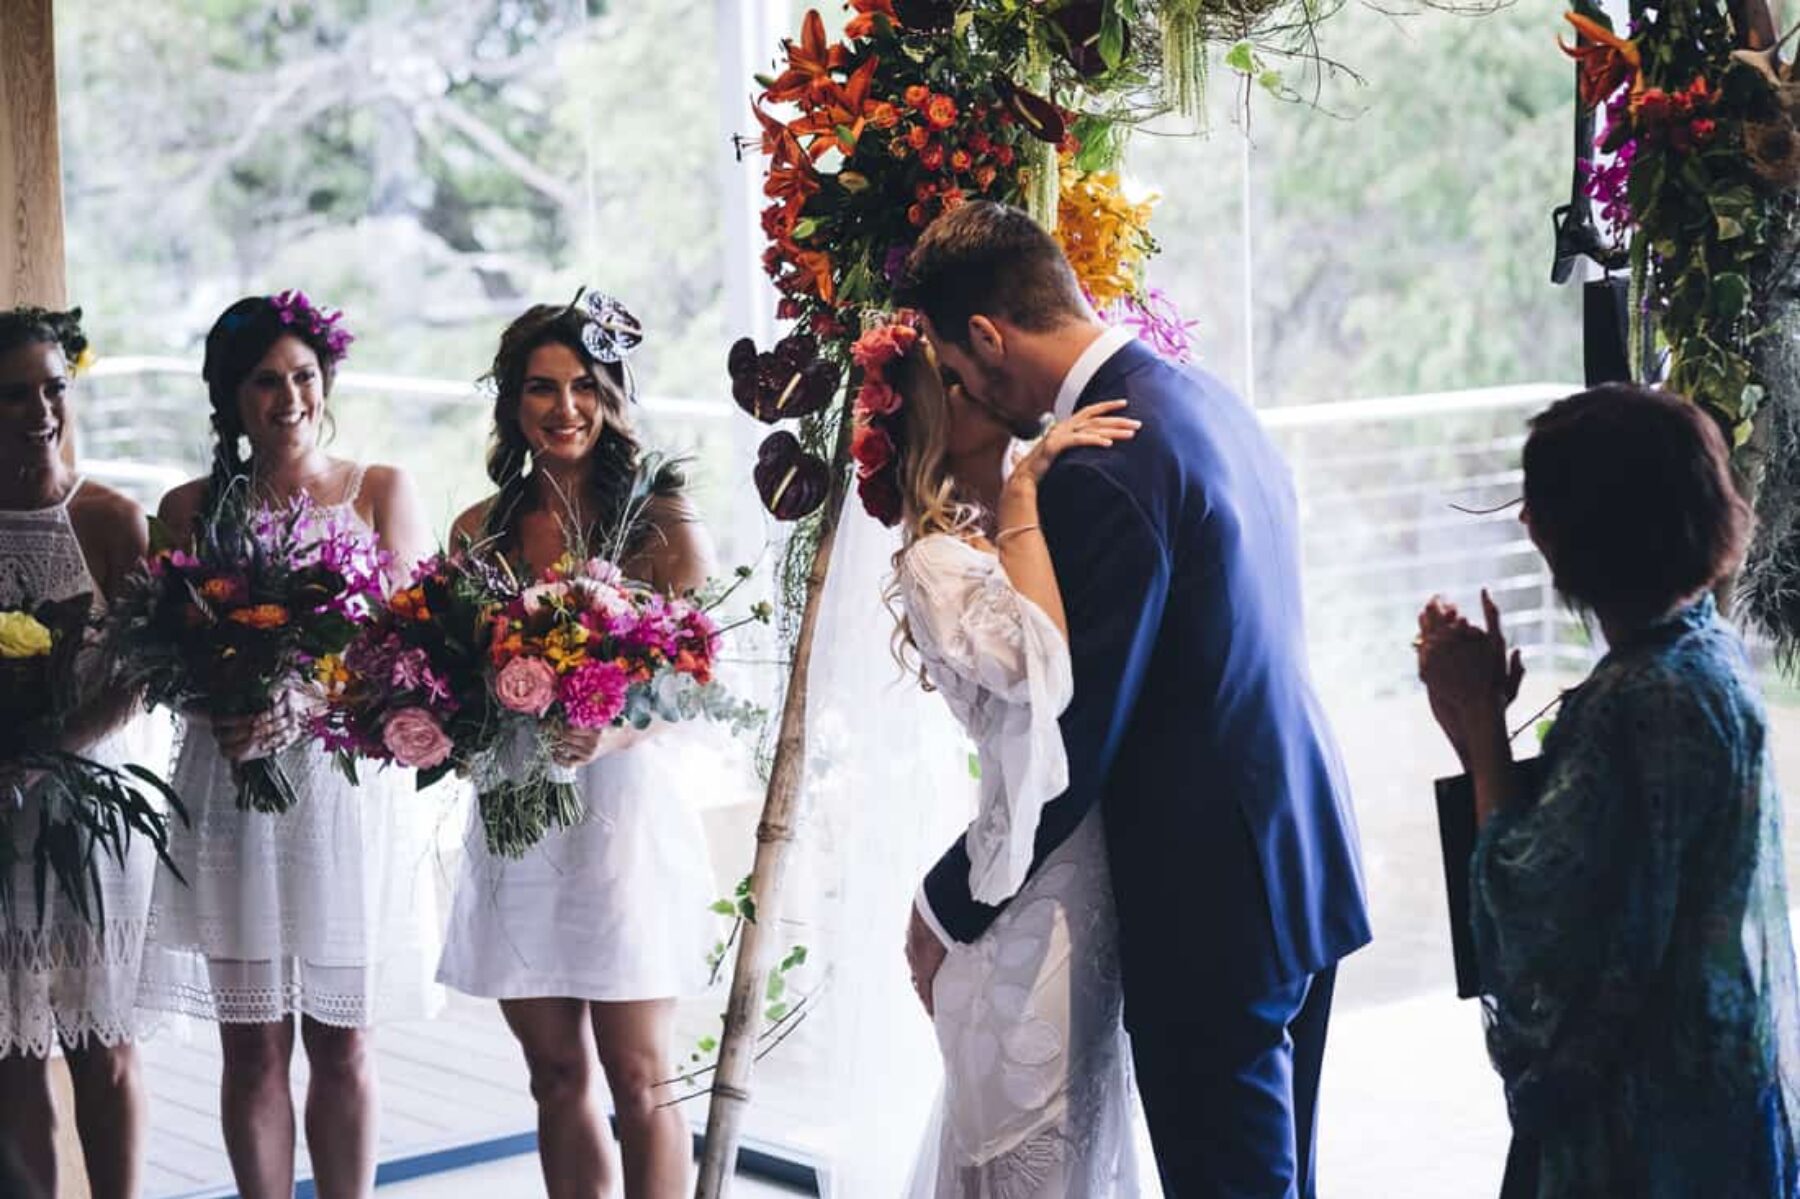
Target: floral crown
<point>880,415</point>
<point>299,312</point>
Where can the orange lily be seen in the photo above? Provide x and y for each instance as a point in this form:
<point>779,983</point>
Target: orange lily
<point>810,63</point>
<point>813,268</point>
<point>863,24</point>
<point>846,108</point>
<point>1606,60</point>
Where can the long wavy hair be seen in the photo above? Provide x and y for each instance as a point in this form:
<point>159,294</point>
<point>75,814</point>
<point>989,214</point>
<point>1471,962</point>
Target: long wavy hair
<point>930,501</point>
<point>614,464</point>
<point>238,340</point>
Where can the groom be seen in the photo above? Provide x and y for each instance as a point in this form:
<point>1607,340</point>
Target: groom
<point>1228,825</point>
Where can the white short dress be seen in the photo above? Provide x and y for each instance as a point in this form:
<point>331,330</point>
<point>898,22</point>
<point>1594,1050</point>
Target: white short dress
<point>612,910</point>
<point>327,910</point>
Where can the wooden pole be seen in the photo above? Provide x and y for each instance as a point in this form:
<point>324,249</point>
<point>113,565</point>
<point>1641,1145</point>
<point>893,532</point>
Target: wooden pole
<point>757,944</point>
<point>31,211</point>
<point>31,272</point>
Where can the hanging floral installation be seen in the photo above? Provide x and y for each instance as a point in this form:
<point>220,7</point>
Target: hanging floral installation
<point>1696,175</point>
<point>914,108</point>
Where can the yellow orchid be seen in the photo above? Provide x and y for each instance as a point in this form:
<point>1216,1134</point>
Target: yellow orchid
<point>1105,235</point>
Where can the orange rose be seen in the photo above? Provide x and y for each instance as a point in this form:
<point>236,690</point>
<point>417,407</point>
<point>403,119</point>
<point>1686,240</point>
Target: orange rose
<point>932,157</point>
<point>961,161</point>
<point>260,616</point>
<point>916,215</point>
<point>984,176</point>
<point>940,111</point>
<point>918,137</point>
<point>916,96</point>
<point>218,590</point>
<point>884,115</point>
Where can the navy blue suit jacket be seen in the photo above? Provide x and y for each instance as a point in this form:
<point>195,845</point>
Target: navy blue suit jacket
<point>1194,724</point>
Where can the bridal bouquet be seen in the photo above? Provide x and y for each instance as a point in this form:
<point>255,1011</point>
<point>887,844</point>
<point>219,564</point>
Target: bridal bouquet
<point>262,599</point>
<point>85,809</point>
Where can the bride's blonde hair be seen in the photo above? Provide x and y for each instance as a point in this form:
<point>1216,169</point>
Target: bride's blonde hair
<point>929,500</point>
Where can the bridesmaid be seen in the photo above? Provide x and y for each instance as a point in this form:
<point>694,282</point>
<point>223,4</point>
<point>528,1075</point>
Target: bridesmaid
<point>66,982</point>
<point>324,912</point>
<point>588,940</point>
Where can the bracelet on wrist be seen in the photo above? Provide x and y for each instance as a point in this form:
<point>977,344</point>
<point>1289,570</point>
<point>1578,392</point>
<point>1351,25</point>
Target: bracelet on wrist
<point>1016,530</point>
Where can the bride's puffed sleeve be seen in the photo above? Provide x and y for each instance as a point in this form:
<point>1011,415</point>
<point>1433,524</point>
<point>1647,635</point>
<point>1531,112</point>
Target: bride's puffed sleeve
<point>1006,667</point>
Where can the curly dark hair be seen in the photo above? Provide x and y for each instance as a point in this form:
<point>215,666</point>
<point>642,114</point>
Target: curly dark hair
<point>1630,491</point>
<point>238,340</point>
<point>43,326</point>
<point>616,459</point>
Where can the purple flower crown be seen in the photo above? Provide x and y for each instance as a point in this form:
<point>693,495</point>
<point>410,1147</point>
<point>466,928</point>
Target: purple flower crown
<point>295,309</point>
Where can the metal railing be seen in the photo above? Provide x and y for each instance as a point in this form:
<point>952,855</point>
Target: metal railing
<point>1376,478</point>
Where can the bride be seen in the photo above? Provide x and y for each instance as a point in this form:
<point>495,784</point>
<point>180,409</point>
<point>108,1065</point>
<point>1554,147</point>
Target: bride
<point>1036,1095</point>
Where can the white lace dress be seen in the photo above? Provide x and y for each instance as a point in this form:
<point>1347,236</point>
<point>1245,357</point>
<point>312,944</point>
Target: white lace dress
<point>1037,1092</point>
<point>65,978</point>
<point>613,910</point>
<point>327,910</point>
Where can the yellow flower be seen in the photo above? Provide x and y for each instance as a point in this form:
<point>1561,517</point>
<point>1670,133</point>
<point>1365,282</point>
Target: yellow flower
<point>1105,235</point>
<point>23,635</point>
<point>332,674</point>
<point>84,361</point>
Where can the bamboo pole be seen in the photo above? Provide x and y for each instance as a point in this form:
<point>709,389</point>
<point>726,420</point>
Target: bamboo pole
<point>757,944</point>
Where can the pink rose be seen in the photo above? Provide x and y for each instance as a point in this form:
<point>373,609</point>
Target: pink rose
<point>526,685</point>
<point>416,739</point>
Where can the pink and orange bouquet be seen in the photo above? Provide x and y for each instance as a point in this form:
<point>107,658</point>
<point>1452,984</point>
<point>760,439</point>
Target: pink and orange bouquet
<point>411,689</point>
<point>470,669</point>
<point>584,648</point>
<point>249,612</point>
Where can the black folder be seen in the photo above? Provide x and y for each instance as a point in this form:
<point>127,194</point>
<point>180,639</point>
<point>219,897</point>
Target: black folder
<point>1456,836</point>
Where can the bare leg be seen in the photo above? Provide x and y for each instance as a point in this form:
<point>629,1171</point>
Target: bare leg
<point>634,1041</point>
<point>257,1107</point>
<point>340,1109</point>
<point>573,1145</point>
<point>29,1131</point>
<point>110,1116</point>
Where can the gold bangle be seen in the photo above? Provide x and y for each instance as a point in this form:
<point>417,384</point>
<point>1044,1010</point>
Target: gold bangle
<point>1003,534</point>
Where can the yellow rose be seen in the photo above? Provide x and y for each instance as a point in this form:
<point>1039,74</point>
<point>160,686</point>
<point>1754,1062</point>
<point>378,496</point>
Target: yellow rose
<point>23,635</point>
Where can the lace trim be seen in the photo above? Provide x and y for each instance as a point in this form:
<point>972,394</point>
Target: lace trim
<point>255,1005</point>
<point>50,1029</point>
<point>1027,1171</point>
<point>67,946</point>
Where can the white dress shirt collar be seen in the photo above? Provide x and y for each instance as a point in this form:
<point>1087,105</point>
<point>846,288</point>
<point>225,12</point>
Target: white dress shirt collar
<point>1099,351</point>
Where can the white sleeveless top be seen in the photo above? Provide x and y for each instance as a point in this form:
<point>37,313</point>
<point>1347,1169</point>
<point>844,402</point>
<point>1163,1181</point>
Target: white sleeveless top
<point>327,910</point>
<point>65,979</point>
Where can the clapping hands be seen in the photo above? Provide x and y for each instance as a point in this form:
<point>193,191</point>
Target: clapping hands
<point>1470,674</point>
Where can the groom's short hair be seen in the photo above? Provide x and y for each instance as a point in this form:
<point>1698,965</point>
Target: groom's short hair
<point>987,259</point>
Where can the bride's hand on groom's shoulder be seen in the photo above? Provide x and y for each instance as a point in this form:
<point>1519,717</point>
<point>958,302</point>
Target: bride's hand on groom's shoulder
<point>1098,425</point>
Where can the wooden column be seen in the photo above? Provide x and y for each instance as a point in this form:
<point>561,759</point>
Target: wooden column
<point>31,211</point>
<point>31,216</point>
<point>31,272</point>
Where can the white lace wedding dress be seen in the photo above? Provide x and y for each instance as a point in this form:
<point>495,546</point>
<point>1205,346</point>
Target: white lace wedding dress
<point>1037,1091</point>
<point>65,978</point>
